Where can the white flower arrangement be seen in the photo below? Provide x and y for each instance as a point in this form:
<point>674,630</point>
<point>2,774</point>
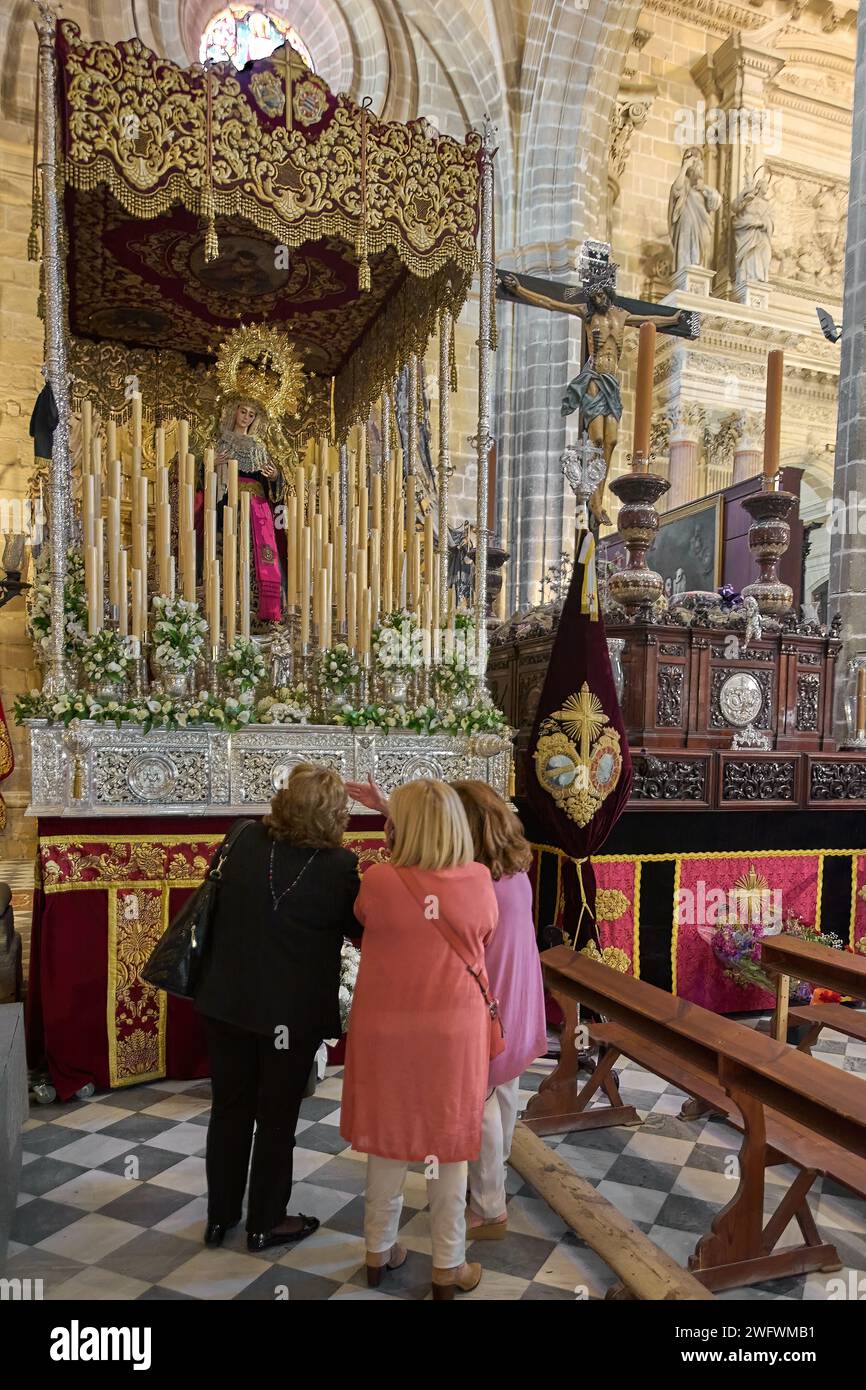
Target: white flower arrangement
<point>397,643</point>
<point>244,663</point>
<point>453,675</point>
<point>179,631</point>
<point>74,603</point>
<point>338,668</point>
<point>289,704</point>
<point>105,656</point>
<point>350,959</point>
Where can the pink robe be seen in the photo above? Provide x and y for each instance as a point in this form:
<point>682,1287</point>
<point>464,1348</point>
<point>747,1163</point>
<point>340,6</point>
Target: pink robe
<point>514,972</point>
<point>418,1046</point>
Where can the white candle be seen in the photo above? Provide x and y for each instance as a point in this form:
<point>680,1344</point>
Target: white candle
<point>245,564</point>
<point>122,595</point>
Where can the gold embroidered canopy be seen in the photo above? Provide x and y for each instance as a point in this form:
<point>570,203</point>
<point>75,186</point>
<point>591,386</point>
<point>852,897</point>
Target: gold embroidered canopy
<point>196,200</point>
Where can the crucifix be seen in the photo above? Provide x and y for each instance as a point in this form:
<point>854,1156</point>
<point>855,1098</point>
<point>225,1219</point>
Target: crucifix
<point>595,391</point>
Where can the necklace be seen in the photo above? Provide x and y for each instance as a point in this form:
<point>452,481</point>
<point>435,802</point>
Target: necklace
<point>277,900</point>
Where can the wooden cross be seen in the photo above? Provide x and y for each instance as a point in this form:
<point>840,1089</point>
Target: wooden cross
<point>291,65</point>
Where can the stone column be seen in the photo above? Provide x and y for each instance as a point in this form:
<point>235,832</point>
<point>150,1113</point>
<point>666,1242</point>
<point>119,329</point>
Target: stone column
<point>683,454</point>
<point>848,548</point>
<point>748,453</point>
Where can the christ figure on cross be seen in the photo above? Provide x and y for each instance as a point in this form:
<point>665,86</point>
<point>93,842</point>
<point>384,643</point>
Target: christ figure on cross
<point>595,391</point>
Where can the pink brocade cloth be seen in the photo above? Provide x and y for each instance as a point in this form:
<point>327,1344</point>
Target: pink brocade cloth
<point>266,561</point>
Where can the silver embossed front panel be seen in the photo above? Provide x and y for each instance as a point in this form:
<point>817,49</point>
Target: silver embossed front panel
<point>91,770</point>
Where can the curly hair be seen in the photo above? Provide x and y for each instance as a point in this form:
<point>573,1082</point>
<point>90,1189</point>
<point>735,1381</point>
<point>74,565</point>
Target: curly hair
<point>496,831</point>
<point>311,809</point>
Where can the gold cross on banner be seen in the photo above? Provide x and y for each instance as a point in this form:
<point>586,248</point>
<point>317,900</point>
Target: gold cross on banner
<point>291,66</point>
<point>583,717</point>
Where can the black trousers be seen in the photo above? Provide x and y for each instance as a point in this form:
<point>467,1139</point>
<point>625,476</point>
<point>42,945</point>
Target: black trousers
<point>255,1085</point>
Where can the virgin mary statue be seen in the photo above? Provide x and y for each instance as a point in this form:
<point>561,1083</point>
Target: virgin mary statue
<point>262,382</point>
<point>237,438</point>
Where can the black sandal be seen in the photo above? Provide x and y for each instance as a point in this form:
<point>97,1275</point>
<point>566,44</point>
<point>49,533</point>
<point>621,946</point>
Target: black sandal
<point>263,1241</point>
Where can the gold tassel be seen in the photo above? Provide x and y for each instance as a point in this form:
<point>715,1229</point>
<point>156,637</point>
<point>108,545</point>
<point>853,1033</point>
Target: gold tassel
<point>361,244</point>
<point>211,242</point>
<point>333,411</point>
<point>452,358</point>
<point>419,402</point>
<point>36,200</point>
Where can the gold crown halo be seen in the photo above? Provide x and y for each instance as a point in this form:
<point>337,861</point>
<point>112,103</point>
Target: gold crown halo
<point>261,365</point>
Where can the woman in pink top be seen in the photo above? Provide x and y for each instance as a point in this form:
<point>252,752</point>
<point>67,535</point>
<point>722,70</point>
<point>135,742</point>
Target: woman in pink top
<point>419,1037</point>
<point>514,971</point>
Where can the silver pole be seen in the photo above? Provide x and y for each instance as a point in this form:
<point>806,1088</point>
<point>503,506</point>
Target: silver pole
<point>482,438</point>
<point>444,456</point>
<point>412,428</point>
<point>387,464</point>
<point>56,370</point>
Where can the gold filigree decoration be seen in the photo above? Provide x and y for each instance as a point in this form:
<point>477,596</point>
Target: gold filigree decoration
<point>581,771</point>
<point>259,364</point>
<point>137,1018</point>
<point>611,956</point>
<point>136,125</point>
<point>610,905</point>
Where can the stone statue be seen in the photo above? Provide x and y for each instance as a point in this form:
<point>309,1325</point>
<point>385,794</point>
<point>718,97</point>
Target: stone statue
<point>691,206</point>
<point>753,224</point>
<point>595,390</point>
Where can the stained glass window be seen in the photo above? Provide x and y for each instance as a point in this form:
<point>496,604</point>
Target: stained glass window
<point>241,32</point>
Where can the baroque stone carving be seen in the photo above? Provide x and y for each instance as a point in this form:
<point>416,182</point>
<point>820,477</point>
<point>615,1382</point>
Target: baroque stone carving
<point>669,779</point>
<point>721,438</point>
<point>627,117</point>
<point>669,697</point>
<point>809,247</point>
<point>759,781</point>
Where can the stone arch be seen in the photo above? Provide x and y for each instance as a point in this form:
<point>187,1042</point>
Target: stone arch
<point>571,71</point>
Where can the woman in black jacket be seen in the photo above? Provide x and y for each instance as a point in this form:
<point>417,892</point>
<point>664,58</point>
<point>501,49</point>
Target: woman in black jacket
<point>269,993</point>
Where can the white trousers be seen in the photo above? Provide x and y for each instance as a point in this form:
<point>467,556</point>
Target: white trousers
<point>383,1202</point>
<point>487,1172</point>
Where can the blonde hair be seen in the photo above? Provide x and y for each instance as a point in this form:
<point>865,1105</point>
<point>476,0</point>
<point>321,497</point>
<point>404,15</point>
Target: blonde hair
<point>430,826</point>
<point>311,809</point>
<point>496,831</point>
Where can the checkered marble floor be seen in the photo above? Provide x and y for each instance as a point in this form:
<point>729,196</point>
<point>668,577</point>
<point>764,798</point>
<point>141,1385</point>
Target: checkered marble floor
<point>91,1230</point>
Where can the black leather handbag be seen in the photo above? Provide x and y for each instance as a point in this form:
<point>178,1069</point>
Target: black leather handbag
<point>175,962</point>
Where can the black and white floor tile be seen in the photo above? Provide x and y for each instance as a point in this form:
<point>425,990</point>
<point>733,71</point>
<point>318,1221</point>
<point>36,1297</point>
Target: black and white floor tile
<point>89,1229</point>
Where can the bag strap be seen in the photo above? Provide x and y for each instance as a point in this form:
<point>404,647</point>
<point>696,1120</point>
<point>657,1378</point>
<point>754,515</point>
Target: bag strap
<point>452,939</point>
<point>234,834</point>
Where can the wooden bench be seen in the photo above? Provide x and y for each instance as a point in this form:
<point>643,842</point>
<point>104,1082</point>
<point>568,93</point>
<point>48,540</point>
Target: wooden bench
<point>790,1108</point>
<point>788,957</point>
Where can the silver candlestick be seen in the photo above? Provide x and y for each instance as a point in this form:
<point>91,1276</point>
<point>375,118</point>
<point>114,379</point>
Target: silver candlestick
<point>583,468</point>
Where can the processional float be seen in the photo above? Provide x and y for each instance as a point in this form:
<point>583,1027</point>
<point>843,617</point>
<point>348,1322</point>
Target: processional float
<point>247,559</point>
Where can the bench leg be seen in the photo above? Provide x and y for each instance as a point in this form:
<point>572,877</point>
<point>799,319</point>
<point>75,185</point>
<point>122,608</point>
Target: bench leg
<point>740,1249</point>
<point>809,1039</point>
<point>780,1017</point>
<point>559,1108</point>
